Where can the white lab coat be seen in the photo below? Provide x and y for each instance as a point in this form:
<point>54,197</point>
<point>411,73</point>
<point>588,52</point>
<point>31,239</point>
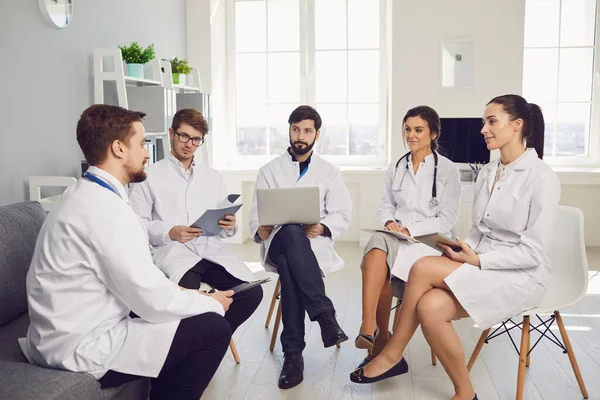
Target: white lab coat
<point>90,268</point>
<point>512,231</point>
<point>406,199</point>
<point>167,198</point>
<point>335,203</point>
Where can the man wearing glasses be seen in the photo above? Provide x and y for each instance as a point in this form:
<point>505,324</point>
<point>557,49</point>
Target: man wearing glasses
<point>176,193</point>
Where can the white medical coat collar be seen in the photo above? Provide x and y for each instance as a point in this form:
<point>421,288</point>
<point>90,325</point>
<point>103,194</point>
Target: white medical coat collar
<point>111,180</point>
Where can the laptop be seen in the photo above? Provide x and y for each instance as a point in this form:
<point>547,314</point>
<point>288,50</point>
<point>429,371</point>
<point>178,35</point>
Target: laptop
<point>280,206</point>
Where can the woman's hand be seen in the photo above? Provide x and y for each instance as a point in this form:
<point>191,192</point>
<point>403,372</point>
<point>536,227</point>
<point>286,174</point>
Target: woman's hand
<point>396,227</point>
<point>466,255</point>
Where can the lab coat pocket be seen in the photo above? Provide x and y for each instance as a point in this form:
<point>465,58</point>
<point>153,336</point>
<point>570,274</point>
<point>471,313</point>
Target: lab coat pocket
<point>513,212</point>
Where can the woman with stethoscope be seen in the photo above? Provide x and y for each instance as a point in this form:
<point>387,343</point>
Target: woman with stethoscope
<point>502,268</point>
<point>421,196</point>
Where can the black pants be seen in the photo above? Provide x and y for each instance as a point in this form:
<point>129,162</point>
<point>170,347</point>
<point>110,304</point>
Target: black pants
<point>302,286</point>
<point>198,347</point>
<point>243,305</point>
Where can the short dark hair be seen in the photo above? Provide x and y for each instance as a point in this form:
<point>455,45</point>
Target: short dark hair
<point>432,118</point>
<point>192,117</point>
<point>534,126</point>
<point>305,112</point>
<point>100,125</point>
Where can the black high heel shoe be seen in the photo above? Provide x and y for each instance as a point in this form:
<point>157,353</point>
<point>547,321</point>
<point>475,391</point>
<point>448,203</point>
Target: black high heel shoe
<point>364,341</point>
<point>358,376</point>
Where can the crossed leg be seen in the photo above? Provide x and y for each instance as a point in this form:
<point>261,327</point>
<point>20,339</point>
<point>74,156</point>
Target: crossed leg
<point>429,301</point>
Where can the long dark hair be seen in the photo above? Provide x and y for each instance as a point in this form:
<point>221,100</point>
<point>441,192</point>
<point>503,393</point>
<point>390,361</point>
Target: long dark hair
<point>532,116</point>
<point>433,120</point>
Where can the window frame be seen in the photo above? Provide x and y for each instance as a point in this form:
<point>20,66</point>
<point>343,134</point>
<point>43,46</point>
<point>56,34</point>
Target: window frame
<point>234,159</point>
<point>593,140</point>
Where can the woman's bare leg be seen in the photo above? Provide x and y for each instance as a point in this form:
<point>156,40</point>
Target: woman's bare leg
<point>426,274</point>
<point>383,319</point>
<point>374,276</point>
<point>436,310</point>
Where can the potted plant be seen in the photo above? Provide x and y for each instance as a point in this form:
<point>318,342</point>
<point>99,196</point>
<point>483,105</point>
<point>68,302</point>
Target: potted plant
<point>179,69</point>
<point>135,57</point>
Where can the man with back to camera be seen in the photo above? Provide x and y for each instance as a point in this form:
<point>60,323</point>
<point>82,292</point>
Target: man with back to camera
<point>178,191</point>
<point>301,253</point>
<point>92,268</point>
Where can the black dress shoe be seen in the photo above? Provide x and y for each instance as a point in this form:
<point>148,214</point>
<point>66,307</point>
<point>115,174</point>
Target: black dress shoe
<point>358,376</point>
<point>292,370</point>
<point>331,333</point>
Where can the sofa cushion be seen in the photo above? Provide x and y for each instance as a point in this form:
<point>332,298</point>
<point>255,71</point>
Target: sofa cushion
<point>19,227</point>
<point>9,333</point>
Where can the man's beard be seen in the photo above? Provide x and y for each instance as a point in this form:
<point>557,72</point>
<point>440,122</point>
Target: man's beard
<point>300,151</point>
<point>136,176</point>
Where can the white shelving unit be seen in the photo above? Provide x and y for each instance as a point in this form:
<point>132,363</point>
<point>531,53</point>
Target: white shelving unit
<point>155,94</point>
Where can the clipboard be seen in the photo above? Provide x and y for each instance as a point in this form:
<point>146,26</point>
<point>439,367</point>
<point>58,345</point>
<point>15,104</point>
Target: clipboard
<point>399,235</point>
<point>430,240</point>
<point>209,221</point>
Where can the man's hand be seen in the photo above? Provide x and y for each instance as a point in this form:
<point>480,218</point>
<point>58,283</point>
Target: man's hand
<point>228,223</point>
<point>184,234</point>
<point>264,231</point>
<point>466,255</point>
<point>396,227</point>
<point>223,297</point>
<point>312,231</point>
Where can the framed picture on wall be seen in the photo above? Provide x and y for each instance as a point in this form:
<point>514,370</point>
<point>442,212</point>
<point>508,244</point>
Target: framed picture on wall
<point>458,63</point>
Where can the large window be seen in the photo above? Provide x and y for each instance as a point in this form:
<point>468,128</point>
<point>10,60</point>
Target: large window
<point>558,75</point>
<point>326,53</point>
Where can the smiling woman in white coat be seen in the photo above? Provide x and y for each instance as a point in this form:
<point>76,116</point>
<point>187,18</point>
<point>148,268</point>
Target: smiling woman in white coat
<point>421,196</point>
<point>92,268</point>
<point>177,192</point>
<point>503,267</point>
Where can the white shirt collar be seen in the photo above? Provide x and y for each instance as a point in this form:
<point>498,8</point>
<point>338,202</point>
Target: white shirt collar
<point>178,163</point>
<point>111,180</point>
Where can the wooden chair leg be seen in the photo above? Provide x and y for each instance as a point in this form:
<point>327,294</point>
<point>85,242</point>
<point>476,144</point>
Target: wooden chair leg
<point>276,327</point>
<point>523,358</point>
<point>477,349</point>
<point>433,358</point>
<point>273,300</point>
<point>236,356</point>
<point>567,342</point>
<point>528,360</point>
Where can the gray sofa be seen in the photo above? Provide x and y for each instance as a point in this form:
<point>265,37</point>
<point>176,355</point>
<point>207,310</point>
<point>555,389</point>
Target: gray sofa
<point>19,227</point>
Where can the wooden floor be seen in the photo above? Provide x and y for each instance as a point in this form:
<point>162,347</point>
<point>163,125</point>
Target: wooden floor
<point>326,370</point>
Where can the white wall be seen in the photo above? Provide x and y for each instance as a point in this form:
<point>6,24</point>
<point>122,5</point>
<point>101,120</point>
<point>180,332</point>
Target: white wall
<point>46,78</point>
<point>418,30</point>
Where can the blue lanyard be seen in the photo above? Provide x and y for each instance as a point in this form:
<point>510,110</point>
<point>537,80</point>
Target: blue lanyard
<point>100,182</point>
<point>302,173</point>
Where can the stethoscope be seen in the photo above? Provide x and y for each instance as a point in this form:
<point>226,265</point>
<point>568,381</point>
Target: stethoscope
<point>433,203</point>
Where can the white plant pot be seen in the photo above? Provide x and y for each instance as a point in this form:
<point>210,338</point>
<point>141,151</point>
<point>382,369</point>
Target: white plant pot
<point>182,79</point>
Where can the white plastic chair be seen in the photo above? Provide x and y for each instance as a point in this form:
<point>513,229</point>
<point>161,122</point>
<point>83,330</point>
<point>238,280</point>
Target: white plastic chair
<point>567,287</point>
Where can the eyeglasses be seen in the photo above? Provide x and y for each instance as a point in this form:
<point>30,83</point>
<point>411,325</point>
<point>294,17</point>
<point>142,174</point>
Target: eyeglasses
<point>184,138</point>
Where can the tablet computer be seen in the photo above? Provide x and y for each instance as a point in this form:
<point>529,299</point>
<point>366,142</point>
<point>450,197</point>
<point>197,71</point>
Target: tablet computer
<point>433,239</point>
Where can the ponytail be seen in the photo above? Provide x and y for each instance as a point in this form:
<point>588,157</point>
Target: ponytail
<point>533,119</point>
<point>534,129</point>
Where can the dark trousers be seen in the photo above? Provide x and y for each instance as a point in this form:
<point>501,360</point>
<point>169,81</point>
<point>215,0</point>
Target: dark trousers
<point>244,304</point>
<point>302,286</point>
<point>198,347</point>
